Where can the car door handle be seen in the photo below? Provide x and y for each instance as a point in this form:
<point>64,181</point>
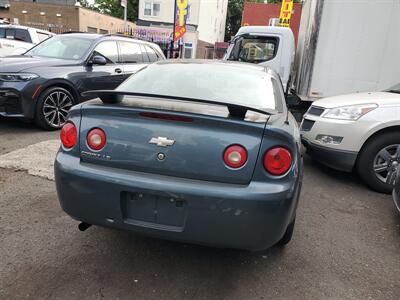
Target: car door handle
<point>118,70</point>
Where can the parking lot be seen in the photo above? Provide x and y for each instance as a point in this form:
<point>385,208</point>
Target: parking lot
<point>345,246</point>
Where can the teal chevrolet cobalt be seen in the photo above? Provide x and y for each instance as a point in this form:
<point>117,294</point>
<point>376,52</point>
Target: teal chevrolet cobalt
<point>204,152</point>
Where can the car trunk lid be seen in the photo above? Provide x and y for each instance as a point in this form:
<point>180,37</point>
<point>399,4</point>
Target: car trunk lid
<point>171,138</point>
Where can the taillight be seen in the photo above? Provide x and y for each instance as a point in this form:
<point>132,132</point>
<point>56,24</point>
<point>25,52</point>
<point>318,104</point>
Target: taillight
<point>235,156</point>
<point>68,135</point>
<point>277,161</point>
<point>96,139</point>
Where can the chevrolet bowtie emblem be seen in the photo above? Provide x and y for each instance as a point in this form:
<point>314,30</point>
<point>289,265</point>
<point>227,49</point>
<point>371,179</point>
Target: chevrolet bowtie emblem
<point>161,141</point>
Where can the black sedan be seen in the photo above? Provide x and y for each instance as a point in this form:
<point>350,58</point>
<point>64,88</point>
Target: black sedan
<point>45,82</point>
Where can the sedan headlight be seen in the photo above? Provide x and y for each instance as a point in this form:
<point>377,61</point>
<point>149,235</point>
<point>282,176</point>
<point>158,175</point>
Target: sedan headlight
<point>351,112</point>
<point>17,76</point>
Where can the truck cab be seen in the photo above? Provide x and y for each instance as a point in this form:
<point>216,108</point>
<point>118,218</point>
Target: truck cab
<point>265,45</point>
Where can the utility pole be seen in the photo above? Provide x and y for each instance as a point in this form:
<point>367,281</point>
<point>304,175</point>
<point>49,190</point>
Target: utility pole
<point>125,16</point>
<point>124,4</point>
<point>171,50</point>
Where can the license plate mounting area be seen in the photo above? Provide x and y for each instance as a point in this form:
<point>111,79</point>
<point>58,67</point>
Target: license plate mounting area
<point>154,211</point>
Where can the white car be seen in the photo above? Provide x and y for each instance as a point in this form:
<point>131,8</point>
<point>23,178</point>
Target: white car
<point>357,132</point>
<point>15,39</point>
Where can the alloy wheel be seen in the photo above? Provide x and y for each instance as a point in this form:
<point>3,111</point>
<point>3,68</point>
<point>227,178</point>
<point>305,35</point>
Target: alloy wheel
<point>56,107</point>
<point>386,162</point>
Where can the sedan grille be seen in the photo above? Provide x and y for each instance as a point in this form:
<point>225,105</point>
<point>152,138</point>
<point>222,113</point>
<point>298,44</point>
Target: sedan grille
<point>307,125</point>
<point>315,111</point>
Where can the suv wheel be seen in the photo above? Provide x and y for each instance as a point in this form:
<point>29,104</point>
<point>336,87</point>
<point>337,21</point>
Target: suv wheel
<point>52,108</point>
<point>379,161</point>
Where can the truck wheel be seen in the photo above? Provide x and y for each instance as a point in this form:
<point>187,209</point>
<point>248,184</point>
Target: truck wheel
<point>287,237</point>
<point>378,162</point>
<point>52,108</point>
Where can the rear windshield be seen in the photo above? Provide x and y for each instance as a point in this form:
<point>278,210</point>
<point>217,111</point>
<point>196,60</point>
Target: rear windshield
<point>225,83</point>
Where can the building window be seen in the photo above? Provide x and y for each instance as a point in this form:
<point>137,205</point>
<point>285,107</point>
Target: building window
<point>156,9</point>
<point>103,31</point>
<point>188,49</point>
<point>152,9</point>
<point>147,9</point>
<point>92,29</point>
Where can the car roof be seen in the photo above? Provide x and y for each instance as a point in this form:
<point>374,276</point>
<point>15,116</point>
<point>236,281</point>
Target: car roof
<point>91,36</point>
<point>95,36</point>
<point>16,26</point>
<point>23,27</point>
<point>211,62</point>
<point>265,29</point>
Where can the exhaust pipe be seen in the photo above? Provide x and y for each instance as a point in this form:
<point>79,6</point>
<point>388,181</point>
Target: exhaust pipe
<point>83,226</point>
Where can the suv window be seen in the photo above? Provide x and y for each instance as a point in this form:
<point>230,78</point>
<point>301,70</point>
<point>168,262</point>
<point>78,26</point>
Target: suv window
<point>130,53</point>
<point>151,54</point>
<point>144,54</point>
<point>108,50</point>
<point>15,34</point>
<point>22,35</point>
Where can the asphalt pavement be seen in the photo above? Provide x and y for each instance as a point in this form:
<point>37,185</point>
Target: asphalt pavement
<point>346,245</point>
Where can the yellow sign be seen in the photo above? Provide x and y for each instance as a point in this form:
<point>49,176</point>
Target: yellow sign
<point>286,13</point>
<point>182,11</point>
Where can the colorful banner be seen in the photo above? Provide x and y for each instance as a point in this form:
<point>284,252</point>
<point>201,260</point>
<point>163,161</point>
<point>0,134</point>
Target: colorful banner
<point>286,13</point>
<point>155,35</point>
<point>180,18</point>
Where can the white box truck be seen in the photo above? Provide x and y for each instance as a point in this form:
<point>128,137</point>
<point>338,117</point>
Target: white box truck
<point>344,46</point>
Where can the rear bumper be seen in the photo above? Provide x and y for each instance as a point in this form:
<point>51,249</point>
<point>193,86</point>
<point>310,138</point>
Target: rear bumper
<point>335,159</point>
<point>252,217</point>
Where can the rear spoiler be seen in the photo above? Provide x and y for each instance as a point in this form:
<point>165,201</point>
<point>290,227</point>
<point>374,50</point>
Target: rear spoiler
<point>112,96</point>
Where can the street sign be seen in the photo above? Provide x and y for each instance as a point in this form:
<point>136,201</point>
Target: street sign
<point>124,3</point>
<point>286,13</point>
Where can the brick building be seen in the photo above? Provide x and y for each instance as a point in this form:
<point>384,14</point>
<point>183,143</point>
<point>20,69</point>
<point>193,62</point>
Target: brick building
<point>260,14</point>
<point>4,9</point>
<point>62,15</point>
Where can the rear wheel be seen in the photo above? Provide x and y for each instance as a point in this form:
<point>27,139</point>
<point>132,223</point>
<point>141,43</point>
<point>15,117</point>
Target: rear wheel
<point>287,237</point>
<point>379,161</point>
<point>52,108</point>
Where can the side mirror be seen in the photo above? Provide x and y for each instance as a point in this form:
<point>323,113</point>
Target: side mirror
<point>293,101</point>
<point>97,60</point>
